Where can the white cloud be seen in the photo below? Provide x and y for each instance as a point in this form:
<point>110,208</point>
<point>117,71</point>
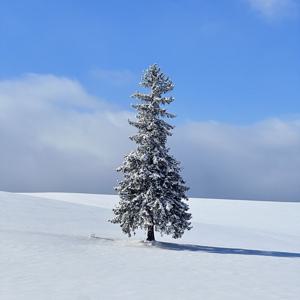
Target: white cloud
<point>114,77</point>
<point>273,9</point>
<point>260,161</point>
<point>55,136</point>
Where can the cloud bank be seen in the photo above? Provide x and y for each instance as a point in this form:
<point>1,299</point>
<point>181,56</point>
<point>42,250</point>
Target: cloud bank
<point>260,161</point>
<point>55,136</point>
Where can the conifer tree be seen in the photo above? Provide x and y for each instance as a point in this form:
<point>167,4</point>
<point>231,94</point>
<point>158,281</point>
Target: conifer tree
<point>152,190</point>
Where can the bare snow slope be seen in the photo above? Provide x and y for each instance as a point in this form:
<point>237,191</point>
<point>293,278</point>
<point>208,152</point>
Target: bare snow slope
<point>236,250</point>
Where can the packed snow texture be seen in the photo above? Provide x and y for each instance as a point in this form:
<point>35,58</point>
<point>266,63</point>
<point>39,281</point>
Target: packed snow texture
<point>236,250</point>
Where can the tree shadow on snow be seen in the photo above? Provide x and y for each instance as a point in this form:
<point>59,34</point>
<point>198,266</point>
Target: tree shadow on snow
<point>221,250</point>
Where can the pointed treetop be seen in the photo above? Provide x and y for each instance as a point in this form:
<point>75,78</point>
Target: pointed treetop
<point>158,82</point>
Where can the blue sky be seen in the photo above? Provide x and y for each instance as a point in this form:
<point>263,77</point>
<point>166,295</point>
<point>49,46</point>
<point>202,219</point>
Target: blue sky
<point>68,69</point>
<point>234,61</point>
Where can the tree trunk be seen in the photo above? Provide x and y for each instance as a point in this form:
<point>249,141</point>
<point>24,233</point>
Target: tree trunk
<point>150,233</point>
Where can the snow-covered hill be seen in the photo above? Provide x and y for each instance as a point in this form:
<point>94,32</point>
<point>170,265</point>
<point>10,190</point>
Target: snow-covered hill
<point>236,250</point>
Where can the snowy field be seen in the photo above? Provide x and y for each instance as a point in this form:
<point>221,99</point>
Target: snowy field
<point>237,250</point>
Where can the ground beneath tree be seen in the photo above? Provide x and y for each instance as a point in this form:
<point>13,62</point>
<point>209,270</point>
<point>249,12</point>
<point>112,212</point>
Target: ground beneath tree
<point>60,246</point>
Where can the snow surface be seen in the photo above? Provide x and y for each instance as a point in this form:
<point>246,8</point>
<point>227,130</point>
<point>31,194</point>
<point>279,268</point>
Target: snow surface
<point>236,250</point>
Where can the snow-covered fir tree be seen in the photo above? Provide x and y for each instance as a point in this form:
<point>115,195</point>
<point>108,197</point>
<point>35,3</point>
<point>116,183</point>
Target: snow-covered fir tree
<point>152,190</point>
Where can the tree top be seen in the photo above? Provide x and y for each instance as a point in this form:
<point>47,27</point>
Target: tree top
<point>156,80</point>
